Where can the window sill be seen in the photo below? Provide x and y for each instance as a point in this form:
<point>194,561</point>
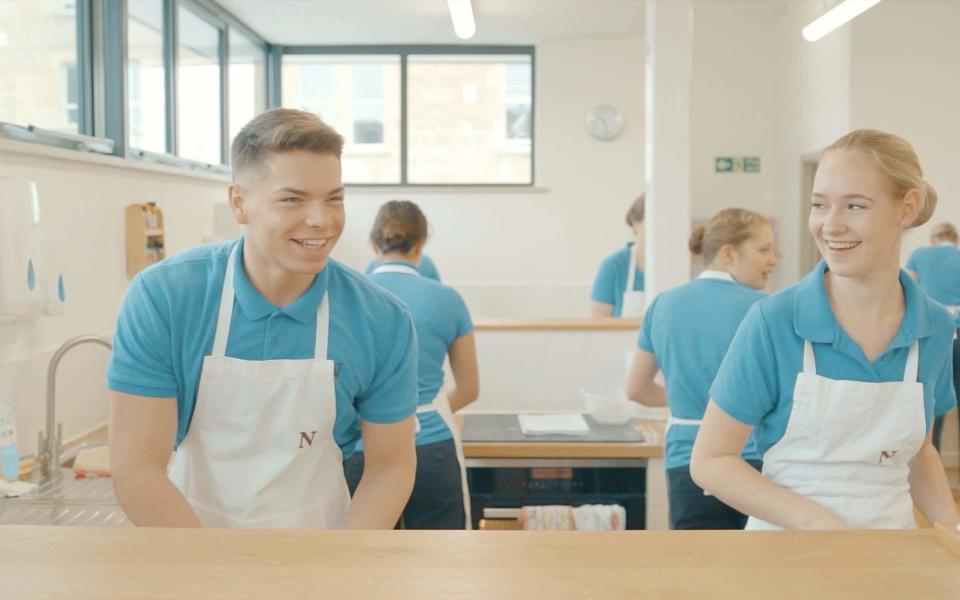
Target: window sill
<point>52,152</point>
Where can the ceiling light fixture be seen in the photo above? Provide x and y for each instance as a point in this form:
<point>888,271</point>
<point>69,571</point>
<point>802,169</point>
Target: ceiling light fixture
<point>835,17</point>
<point>461,13</point>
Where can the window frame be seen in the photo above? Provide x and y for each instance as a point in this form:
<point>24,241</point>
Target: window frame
<point>403,52</point>
<point>102,102</point>
<point>86,138</point>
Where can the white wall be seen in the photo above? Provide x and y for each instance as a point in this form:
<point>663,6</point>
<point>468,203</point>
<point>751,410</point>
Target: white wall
<point>82,207</point>
<point>906,79</point>
<point>815,110</point>
<point>736,106</point>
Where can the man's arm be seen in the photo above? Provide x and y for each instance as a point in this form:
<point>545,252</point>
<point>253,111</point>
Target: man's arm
<point>389,470</point>
<point>142,433</point>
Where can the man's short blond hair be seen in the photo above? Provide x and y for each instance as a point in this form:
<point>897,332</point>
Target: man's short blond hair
<point>281,130</point>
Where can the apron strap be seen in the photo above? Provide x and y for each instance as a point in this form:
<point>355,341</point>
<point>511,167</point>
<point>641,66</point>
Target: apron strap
<point>631,269</point>
<point>320,350</point>
<point>225,314</point>
<point>809,361</point>
<point>913,363</point>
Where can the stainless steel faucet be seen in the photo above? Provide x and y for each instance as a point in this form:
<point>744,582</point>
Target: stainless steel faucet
<point>51,444</point>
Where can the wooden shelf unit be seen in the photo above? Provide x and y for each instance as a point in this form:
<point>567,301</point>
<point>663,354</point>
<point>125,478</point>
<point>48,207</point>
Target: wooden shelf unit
<point>145,237</point>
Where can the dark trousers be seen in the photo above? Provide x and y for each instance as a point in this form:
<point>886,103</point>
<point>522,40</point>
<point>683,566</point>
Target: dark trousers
<point>437,499</point>
<point>938,422</point>
<point>691,509</point>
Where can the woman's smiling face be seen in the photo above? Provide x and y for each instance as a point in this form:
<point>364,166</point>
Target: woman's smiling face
<point>854,218</point>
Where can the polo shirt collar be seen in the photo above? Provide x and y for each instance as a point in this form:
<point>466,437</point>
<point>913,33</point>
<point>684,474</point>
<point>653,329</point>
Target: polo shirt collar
<point>814,320</point>
<point>255,306</point>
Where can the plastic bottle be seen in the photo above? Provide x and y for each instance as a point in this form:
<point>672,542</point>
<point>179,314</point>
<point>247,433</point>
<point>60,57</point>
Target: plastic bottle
<point>9,455</point>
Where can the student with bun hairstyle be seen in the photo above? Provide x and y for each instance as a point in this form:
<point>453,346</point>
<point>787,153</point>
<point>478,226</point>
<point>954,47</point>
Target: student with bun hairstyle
<point>440,499</point>
<point>937,269</point>
<point>686,332</point>
<point>839,377</point>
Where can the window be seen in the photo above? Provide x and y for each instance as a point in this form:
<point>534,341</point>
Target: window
<point>146,83</point>
<point>38,64</point>
<point>469,119</point>
<point>198,88</point>
<point>248,80</point>
<point>517,100</point>
<point>368,104</point>
<point>359,96</point>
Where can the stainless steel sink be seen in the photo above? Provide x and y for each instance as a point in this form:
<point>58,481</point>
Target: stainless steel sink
<point>62,499</point>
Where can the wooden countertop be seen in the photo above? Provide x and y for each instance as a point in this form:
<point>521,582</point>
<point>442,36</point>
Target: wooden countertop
<point>134,564</point>
<point>577,324</point>
<point>652,447</point>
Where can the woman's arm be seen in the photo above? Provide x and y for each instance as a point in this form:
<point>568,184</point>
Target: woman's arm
<point>641,386</point>
<point>600,310</point>
<point>466,373</point>
<point>929,487</point>
<point>717,467</point>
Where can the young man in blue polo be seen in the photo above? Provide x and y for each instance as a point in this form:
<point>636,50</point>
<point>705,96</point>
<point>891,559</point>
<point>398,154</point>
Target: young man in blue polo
<point>262,360</point>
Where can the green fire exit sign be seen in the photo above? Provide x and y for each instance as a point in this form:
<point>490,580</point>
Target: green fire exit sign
<point>736,164</point>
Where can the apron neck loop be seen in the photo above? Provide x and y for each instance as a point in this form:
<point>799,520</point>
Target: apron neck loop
<point>323,329</point>
<point>809,361</point>
<point>396,268</point>
<point>910,371</point>
<point>913,363</point>
<point>225,314</point>
<point>632,268</point>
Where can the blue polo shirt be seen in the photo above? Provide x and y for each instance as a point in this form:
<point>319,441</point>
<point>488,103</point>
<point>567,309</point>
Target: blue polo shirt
<point>169,316</point>
<point>938,272</point>
<point>426,268</point>
<point>689,342</point>
<point>756,379</point>
<point>440,317</point>
<point>611,279</point>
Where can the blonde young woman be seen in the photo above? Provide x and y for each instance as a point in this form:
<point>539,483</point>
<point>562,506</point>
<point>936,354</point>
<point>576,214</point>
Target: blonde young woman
<point>687,340</point>
<point>839,377</point>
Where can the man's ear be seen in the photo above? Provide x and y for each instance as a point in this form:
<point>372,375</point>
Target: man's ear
<point>237,203</point>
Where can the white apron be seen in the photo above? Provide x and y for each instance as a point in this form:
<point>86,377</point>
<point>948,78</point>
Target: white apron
<point>848,446</point>
<point>632,307</point>
<point>441,406</point>
<point>260,451</point>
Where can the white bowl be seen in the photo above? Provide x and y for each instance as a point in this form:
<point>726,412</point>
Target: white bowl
<point>608,406</point>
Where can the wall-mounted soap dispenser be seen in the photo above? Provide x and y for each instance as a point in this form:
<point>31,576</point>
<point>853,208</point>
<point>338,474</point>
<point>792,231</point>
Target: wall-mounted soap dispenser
<point>31,282</point>
<point>21,286</point>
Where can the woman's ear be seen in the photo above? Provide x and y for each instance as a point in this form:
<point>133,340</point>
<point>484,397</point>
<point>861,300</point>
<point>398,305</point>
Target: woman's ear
<point>910,207</point>
<point>727,254</point>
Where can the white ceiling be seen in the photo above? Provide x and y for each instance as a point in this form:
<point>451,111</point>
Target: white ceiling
<point>363,22</point>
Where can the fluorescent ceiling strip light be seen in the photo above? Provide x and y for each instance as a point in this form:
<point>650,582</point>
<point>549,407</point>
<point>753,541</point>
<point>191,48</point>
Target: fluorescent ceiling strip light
<point>461,13</point>
<point>835,17</point>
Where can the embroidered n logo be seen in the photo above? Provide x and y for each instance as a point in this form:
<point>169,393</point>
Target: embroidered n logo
<point>307,437</point>
<point>886,456</point>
